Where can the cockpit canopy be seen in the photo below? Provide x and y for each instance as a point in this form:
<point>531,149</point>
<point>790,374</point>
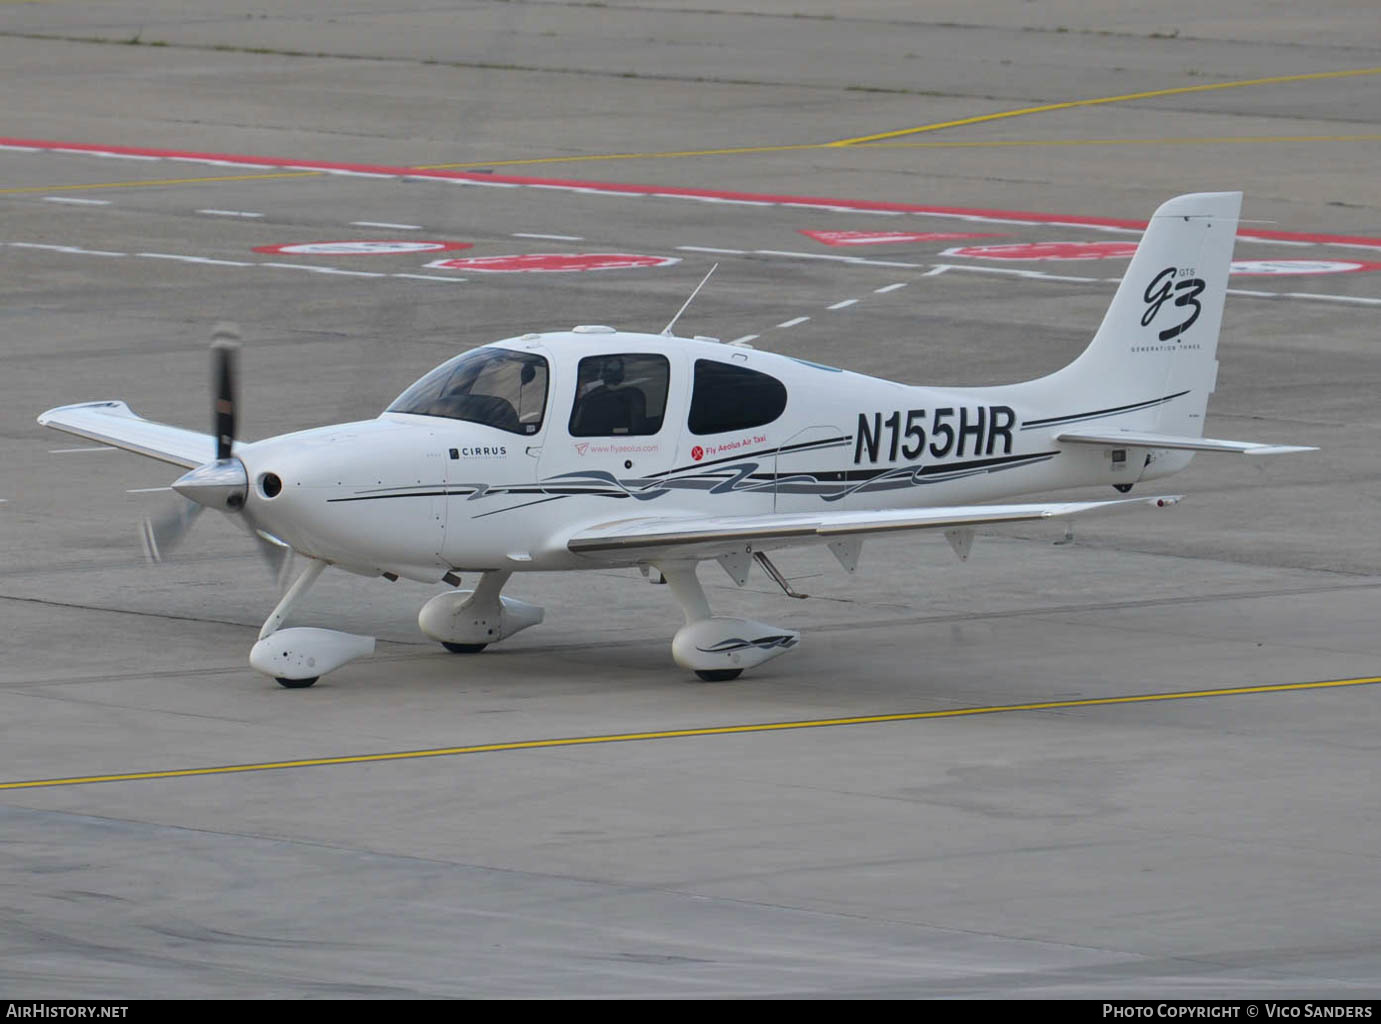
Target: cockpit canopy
<point>495,387</point>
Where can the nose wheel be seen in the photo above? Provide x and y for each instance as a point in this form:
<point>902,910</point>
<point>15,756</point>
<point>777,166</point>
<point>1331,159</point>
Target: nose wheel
<point>295,684</point>
<point>463,648</point>
<point>718,675</point>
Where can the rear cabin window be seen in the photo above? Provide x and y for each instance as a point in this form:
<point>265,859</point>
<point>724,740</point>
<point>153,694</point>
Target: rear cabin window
<point>620,395</point>
<point>495,387</point>
<point>728,398</point>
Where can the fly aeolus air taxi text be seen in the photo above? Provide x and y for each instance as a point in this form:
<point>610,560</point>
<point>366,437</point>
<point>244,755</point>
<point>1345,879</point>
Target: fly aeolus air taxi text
<point>593,448</point>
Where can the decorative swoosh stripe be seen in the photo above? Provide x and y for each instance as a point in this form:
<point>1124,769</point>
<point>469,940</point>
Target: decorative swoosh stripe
<point>829,485</point>
<point>1077,417</point>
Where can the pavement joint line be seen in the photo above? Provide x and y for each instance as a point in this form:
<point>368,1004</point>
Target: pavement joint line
<point>668,734</point>
<point>1101,100</point>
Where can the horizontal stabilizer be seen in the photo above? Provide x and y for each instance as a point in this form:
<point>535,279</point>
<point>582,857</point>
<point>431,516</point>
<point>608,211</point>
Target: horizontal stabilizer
<point>115,424</point>
<point>652,537</point>
<point>1136,439</point>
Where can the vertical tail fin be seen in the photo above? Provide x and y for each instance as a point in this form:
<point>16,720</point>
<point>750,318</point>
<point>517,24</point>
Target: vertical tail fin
<point>1156,351</point>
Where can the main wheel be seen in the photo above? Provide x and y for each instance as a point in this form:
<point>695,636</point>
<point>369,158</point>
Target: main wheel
<point>296,684</point>
<point>463,648</point>
<point>718,675</point>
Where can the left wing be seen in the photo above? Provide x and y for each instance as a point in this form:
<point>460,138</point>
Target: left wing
<point>703,537</point>
<point>115,423</point>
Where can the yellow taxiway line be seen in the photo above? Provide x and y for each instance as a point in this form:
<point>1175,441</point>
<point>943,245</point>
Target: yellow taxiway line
<point>719,730</point>
<point>1125,98</point>
<point>1186,140</point>
<point>888,144</point>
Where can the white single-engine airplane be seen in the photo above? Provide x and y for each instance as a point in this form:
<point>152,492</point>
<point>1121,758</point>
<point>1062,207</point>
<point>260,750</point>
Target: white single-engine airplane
<point>593,448</point>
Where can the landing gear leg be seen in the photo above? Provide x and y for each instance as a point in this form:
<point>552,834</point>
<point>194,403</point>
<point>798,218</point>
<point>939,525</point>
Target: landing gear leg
<point>718,649</point>
<point>468,621</point>
<point>297,657</point>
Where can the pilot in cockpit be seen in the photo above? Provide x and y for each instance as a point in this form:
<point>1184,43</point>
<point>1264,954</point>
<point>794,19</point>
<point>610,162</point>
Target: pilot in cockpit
<point>605,406</point>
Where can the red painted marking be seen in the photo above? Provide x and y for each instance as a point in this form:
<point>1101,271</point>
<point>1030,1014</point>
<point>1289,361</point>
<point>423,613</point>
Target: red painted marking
<point>887,237</point>
<point>697,453</point>
<point>1046,251</point>
<point>362,247</point>
<point>553,262</point>
<point>1014,216</point>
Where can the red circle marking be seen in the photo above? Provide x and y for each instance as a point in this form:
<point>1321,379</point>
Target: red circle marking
<point>1047,251</point>
<point>362,247</point>
<point>1262,268</point>
<point>697,453</point>
<point>553,262</point>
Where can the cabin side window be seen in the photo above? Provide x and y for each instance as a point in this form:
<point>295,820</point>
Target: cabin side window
<point>494,387</point>
<point>729,398</point>
<point>620,395</point>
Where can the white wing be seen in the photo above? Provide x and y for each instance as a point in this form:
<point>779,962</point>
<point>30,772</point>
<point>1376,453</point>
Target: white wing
<point>114,423</point>
<point>703,537</point>
<point>1133,439</point>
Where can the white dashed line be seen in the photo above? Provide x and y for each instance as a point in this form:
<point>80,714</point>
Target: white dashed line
<point>384,224</point>
<point>700,199</point>
<point>64,248</point>
<point>1037,274</point>
<point>704,248</point>
<point>462,181</point>
<point>1332,298</point>
<point>322,270</point>
<point>344,172</point>
<point>76,202</point>
<point>229,213</point>
<point>554,238</point>
<point>108,155</point>
<point>224,163</point>
<point>843,305</point>
<point>1274,241</point>
<point>854,260</point>
<point>73,451</point>
<point>795,321</point>
<point>147,490</point>
<point>889,288</point>
<point>193,259</point>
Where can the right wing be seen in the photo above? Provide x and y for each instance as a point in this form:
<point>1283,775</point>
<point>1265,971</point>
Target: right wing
<point>114,423</point>
<point>704,537</point>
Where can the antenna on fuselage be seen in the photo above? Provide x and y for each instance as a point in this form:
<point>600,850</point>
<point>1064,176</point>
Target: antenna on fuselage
<point>667,329</point>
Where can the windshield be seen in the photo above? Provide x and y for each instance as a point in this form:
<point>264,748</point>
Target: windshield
<point>493,386</point>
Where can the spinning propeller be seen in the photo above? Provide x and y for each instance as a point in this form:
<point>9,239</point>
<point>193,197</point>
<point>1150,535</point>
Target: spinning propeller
<point>222,484</point>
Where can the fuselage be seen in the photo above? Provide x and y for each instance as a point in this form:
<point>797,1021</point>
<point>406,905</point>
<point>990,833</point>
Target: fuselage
<point>494,459</point>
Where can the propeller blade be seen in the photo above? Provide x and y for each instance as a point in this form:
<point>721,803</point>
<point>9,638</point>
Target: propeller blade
<point>225,347</point>
<point>165,533</point>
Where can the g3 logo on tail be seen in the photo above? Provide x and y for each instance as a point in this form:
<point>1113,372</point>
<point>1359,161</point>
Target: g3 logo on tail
<point>1159,291</point>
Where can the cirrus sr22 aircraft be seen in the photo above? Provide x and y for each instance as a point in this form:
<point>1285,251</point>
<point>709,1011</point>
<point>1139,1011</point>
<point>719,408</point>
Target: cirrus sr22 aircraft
<point>593,448</point>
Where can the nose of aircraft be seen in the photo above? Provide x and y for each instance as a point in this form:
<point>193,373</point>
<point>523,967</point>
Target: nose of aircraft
<point>367,495</point>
